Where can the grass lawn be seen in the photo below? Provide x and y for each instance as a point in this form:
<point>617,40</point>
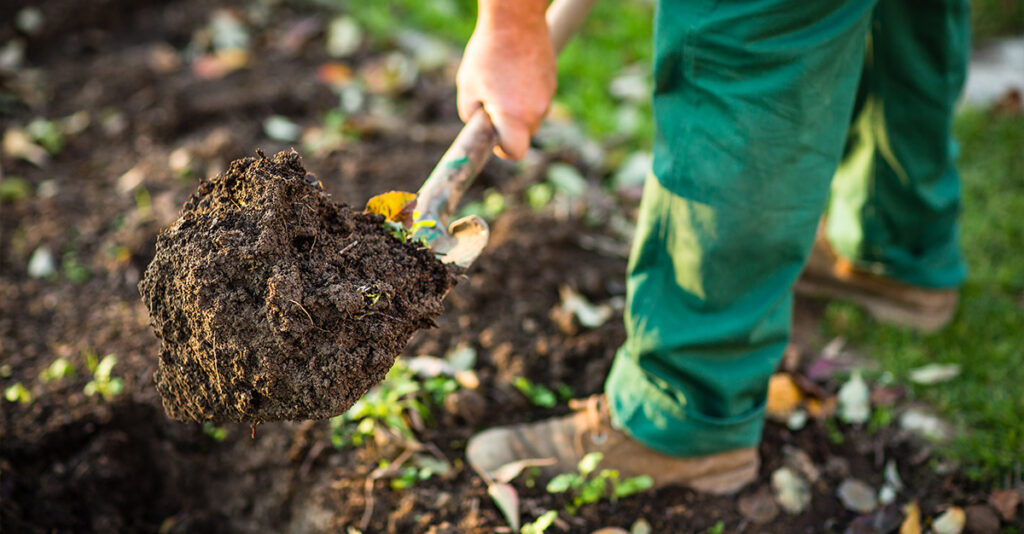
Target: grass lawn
<point>986,402</point>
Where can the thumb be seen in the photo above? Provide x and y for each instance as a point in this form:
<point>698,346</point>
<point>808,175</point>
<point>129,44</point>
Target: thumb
<point>513,135</point>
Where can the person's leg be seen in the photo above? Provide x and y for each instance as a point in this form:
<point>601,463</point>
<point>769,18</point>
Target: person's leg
<point>896,196</point>
<point>752,103</point>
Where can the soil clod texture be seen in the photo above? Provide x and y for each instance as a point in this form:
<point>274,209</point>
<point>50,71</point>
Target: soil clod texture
<point>272,302</point>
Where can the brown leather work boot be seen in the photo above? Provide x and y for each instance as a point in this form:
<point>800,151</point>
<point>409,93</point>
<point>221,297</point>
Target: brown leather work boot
<point>829,275</point>
<point>567,439</point>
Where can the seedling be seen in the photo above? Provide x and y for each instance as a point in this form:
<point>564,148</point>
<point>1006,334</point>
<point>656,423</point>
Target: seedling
<point>17,392</point>
<point>717,528</point>
<point>102,382</point>
<point>587,489</point>
<point>403,234</point>
<point>388,406</point>
<point>541,524</point>
<point>423,468</point>
<point>538,394</point>
<point>60,368</point>
<point>371,293</point>
<point>73,269</point>
<point>218,433</point>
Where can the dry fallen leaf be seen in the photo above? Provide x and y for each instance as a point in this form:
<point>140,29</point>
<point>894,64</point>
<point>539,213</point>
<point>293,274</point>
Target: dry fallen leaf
<point>395,206</point>
<point>1005,501</point>
<point>783,395</point>
<point>934,373</point>
<point>912,523</point>
<point>507,499</point>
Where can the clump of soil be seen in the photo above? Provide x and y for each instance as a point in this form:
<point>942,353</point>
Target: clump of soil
<point>272,302</point>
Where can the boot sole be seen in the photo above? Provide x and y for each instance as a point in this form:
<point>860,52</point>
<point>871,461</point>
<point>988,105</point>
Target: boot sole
<point>882,309</point>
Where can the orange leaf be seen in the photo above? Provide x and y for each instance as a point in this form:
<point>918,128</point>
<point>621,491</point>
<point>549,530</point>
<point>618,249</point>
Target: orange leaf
<point>395,206</point>
<point>783,395</point>
<point>334,73</point>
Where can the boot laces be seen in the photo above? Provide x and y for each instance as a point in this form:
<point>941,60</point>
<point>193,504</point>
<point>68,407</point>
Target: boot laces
<point>596,416</point>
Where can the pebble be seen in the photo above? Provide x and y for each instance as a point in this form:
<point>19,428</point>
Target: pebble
<point>42,264</point>
<point>791,491</point>
<point>857,496</point>
<point>759,507</point>
<point>981,519</point>
<point>950,522</point>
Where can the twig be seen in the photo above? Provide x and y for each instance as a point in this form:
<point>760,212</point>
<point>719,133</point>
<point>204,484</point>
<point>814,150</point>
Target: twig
<point>348,246</point>
<point>311,321</point>
<point>376,475</point>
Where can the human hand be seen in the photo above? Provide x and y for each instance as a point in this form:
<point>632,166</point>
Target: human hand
<point>509,69</point>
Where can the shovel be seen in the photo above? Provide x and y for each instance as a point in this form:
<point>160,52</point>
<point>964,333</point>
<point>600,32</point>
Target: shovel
<point>463,240</point>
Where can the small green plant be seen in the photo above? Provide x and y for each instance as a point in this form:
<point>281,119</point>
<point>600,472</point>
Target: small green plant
<point>538,196</point>
<point>538,394</point>
<point>102,380</point>
<point>46,133</point>
<point>386,406</point>
<point>74,270</point>
<point>17,392</point>
<point>835,435</point>
<point>60,368</point>
<point>541,524</point>
<point>489,207</point>
<point>14,188</point>
<point>371,293</point>
<point>218,433</point>
<point>405,235</point>
<point>717,528</point>
<point>587,487</point>
<point>438,387</point>
<point>881,418</point>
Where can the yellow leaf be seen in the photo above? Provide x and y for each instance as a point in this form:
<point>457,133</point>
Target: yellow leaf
<point>912,524</point>
<point>395,206</point>
<point>783,395</point>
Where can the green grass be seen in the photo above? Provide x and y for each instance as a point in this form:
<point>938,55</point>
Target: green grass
<point>617,34</point>
<point>986,402</point>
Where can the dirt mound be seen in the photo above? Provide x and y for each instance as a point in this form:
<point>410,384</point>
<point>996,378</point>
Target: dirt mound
<point>272,302</point>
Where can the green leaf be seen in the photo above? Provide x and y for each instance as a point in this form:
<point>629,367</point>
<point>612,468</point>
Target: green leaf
<point>541,524</point>
<point>633,485</point>
<point>589,462</point>
<point>592,491</point>
<point>104,368</point>
<point>538,394</point>
<point>562,482</point>
<point>18,393</point>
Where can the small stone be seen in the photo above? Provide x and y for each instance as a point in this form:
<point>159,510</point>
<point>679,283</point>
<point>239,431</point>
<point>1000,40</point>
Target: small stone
<point>950,522</point>
<point>857,496</point>
<point>981,519</point>
<point>468,404</point>
<point>42,264</point>
<point>791,492</point>
<point>799,460</point>
<point>886,495</point>
<point>760,506</point>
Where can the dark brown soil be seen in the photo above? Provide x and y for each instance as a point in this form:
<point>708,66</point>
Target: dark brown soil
<point>272,302</point>
<point>70,462</point>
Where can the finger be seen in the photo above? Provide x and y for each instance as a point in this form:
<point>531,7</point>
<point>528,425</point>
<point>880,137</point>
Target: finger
<point>513,135</point>
<point>467,104</point>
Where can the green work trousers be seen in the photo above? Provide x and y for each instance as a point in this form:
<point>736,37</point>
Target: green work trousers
<point>757,104</point>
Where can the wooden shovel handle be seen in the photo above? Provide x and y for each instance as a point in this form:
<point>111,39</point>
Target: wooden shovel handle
<point>475,143</point>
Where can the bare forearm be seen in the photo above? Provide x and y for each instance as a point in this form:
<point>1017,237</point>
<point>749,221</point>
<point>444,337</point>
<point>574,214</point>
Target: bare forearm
<point>505,15</point>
